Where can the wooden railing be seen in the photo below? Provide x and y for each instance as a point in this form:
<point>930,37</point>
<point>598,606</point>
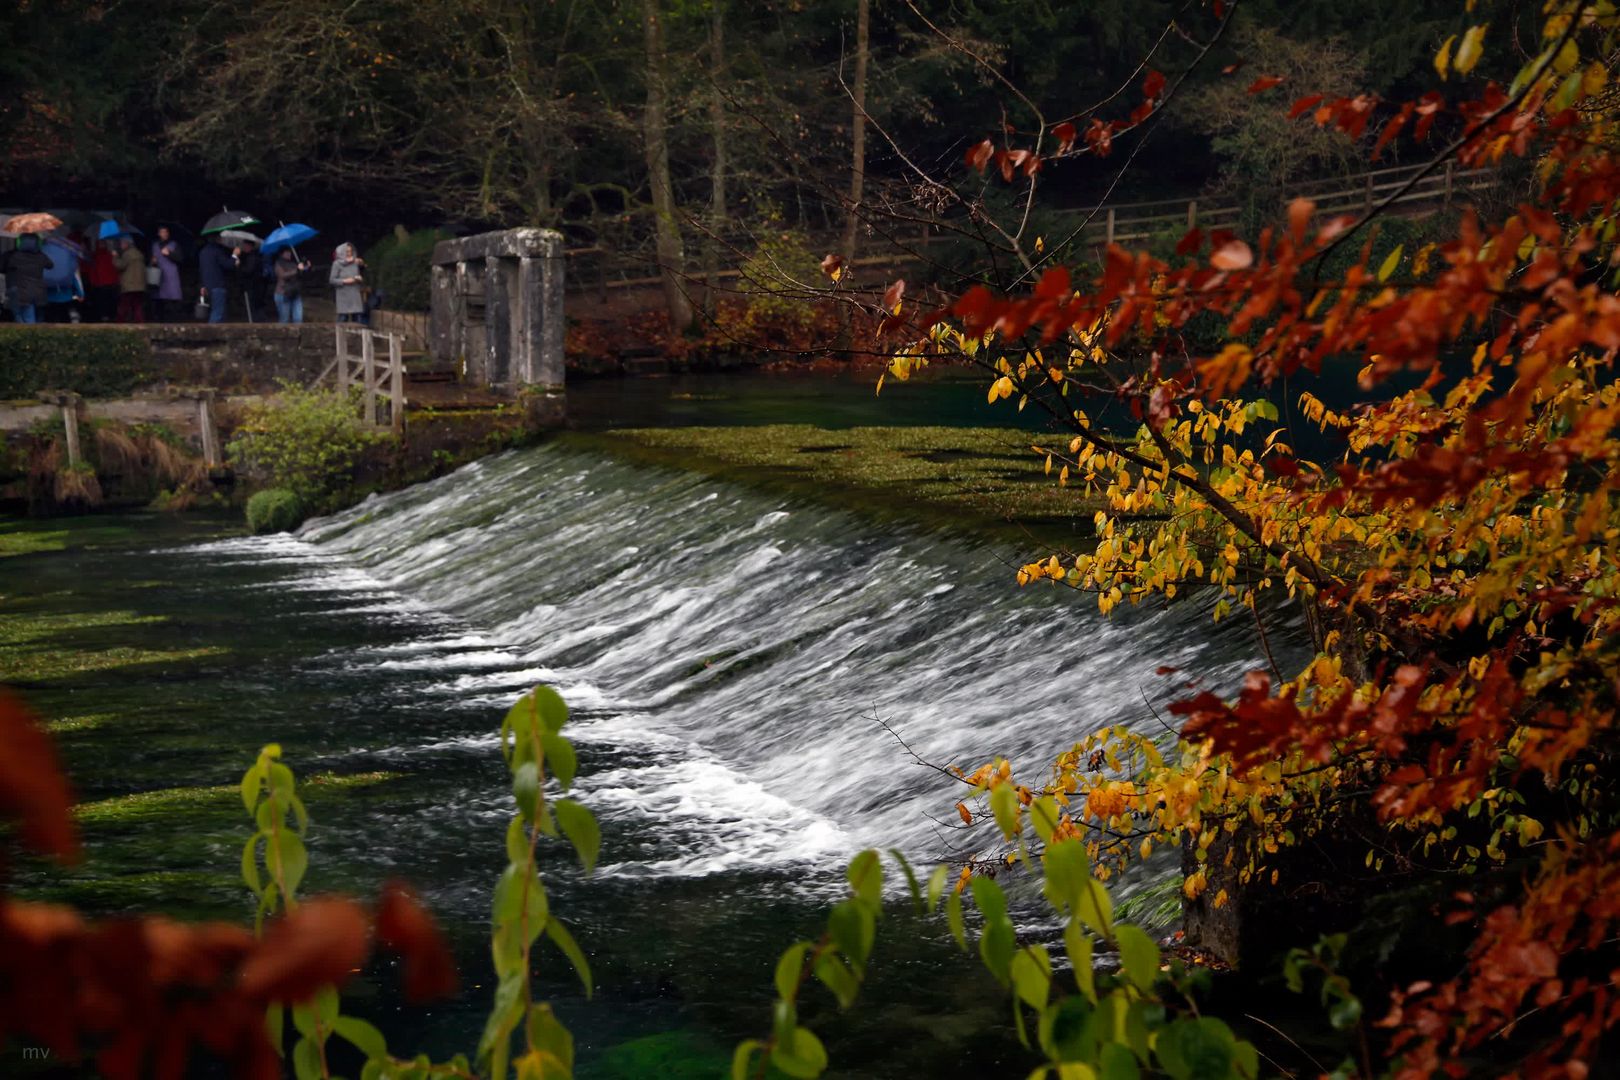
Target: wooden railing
<point>1134,222</point>
<point>1121,222</point>
<point>348,368</point>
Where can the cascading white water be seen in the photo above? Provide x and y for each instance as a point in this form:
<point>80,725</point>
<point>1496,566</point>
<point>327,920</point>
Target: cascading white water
<point>734,648</point>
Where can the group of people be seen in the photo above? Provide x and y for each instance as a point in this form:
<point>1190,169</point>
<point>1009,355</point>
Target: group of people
<point>50,278</point>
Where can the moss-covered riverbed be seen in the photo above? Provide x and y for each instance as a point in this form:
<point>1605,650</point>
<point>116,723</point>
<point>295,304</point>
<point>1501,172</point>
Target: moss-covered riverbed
<point>982,481</point>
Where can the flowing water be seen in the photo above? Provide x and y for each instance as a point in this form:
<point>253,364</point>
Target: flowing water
<point>726,655</point>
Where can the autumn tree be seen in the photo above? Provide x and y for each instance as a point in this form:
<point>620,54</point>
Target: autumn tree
<point>1452,555</point>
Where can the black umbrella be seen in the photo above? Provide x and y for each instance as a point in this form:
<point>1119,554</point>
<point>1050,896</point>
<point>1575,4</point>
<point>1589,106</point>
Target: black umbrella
<point>228,219</point>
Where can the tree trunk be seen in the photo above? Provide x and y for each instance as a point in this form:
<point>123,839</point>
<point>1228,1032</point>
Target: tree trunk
<point>717,167</point>
<point>857,171</point>
<point>655,140</point>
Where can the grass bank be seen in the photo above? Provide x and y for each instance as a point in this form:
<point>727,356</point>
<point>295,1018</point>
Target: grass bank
<point>984,482</point>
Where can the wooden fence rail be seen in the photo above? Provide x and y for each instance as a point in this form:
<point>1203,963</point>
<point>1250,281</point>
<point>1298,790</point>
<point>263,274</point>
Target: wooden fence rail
<point>348,368</point>
<point>1126,222</point>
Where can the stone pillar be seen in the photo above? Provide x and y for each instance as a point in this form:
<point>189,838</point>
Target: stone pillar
<point>541,329</point>
<point>442,320</point>
<point>206,431</point>
<point>497,322</point>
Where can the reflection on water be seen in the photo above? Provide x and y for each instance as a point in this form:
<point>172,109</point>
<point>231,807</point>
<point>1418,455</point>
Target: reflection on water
<point>723,653</point>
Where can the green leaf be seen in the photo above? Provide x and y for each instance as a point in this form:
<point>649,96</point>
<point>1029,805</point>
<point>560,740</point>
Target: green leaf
<point>294,861</point>
<point>250,864</point>
<point>565,941</point>
<point>560,756</point>
<point>275,1025</point>
<point>364,1036</point>
<point>997,943</point>
<point>526,789</point>
<point>953,917</point>
<point>1265,409</point>
<point>1196,1049</point>
<point>1031,973</point>
<point>251,782</point>
<point>852,927</point>
<point>304,1019</point>
<point>1096,907</point>
<point>801,1055</point>
<point>836,976</point>
<point>865,876</point>
<point>936,886</point>
<point>788,970</point>
<point>1078,945</point>
<point>991,901</point>
<point>495,1045</point>
<point>1344,1013</point>
<point>1064,1030</point>
<point>520,898</point>
<point>553,710</point>
<point>1068,868</point>
<point>1044,814</point>
<point>912,883</point>
<point>306,1060</point>
<point>517,842</point>
<point>743,1056</point>
<point>1004,805</point>
<point>579,825</point>
<point>325,1003</point>
<point>547,1034</point>
<point>1138,955</point>
<point>1116,1062</point>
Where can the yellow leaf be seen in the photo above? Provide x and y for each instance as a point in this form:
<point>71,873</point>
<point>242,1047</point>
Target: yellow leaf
<point>1469,51</point>
<point>1391,261</point>
<point>1442,59</point>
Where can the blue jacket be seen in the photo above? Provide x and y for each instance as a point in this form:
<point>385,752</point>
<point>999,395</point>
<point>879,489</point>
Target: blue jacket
<point>215,264</point>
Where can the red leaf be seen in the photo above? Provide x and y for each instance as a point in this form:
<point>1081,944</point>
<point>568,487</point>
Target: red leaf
<point>1232,255</point>
<point>1264,82</point>
<point>892,295</point>
<point>33,789</point>
<point>319,944</point>
<point>404,926</point>
<point>1304,105</point>
<point>1153,85</point>
<point>1299,217</point>
<point>1232,69</point>
<point>1190,242</point>
<point>1065,134</point>
<point>1004,161</point>
<point>832,264</point>
<point>978,156</point>
<point>1054,284</point>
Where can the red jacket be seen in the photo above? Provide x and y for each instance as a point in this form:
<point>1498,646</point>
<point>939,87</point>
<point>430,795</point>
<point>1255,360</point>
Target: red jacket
<point>103,271</point>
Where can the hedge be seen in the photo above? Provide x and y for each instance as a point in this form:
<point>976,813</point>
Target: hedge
<point>274,510</point>
<point>402,269</point>
<point>92,361</point>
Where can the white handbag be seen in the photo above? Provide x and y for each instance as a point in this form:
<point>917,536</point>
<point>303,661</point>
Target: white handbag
<point>154,275</point>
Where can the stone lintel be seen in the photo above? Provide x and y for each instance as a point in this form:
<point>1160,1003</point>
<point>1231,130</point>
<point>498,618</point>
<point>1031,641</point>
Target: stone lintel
<point>528,243</point>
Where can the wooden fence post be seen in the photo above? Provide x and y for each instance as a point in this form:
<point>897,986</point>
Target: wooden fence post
<point>1369,200</point>
<point>70,425</point>
<point>1192,214</point>
<point>342,359</point>
<point>206,430</point>
<point>368,354</point>
<point>396,387</point>
<point>1450,166</point>
<point>1109,235</point>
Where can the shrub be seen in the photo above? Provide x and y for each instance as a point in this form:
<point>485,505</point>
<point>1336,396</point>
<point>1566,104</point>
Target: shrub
<point>307,441</point>
<point>402,268</point>
<point>274,510</point>
<point>90,361</point>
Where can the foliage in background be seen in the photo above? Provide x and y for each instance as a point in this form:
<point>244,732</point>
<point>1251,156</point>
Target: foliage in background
<point>1450,550</point>
<point>402,267</point>
<point>274,510</point>
<point>307,441</point>
<point>97,361</point>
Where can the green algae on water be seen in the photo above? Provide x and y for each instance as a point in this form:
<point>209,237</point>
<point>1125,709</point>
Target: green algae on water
<point>983,481</point>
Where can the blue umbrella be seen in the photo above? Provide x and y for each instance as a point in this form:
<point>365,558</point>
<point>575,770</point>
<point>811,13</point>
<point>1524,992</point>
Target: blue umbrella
<point>110,229</point>
<point>288,236</point>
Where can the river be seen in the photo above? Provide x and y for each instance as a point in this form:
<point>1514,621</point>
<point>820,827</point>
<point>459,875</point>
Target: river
<point>726,654</point>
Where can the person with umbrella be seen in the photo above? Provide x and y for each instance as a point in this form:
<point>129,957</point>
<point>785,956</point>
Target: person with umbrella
<point>102,277</point>
<point>63,285</point>
<point>166,257</point>
<point>131,281</point>
<point>216,263</point>
<point>286,268</point>
<point>25,270</point>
